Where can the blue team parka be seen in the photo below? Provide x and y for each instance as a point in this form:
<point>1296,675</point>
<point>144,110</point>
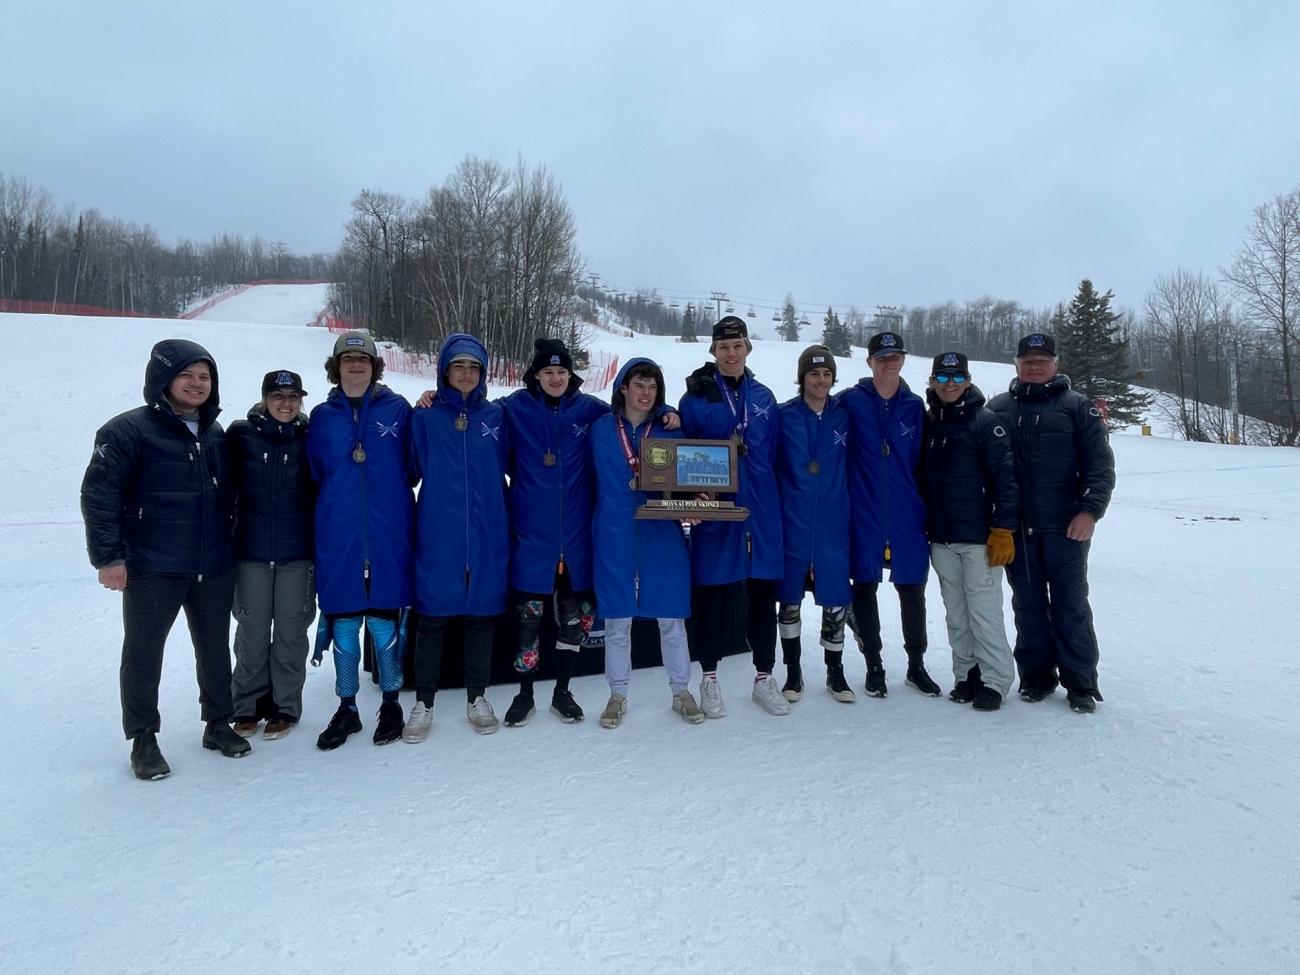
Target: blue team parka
<point>642,568</point>
<point>462,546</point>
<point>885,437</point>
<point>364,511</point>
<point>728,551</point>
<point>551,505</point>
<point>812,470</point>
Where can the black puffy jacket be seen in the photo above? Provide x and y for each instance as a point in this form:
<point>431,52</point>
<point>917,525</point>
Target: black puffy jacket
<point>970,472</point>
<point>155,495</point>
<point>275,495</point>
<point>1063,458</point>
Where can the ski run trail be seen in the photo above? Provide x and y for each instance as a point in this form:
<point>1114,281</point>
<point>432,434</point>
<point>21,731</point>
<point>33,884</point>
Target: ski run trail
<point>903,835</point>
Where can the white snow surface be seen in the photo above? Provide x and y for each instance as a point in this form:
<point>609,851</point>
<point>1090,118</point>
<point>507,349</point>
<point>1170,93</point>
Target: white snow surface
<point>271,304</point>
<point>903,835</point>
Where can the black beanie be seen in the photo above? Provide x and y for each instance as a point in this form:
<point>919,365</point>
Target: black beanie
<point>549,352</point>
<point>815,357</point>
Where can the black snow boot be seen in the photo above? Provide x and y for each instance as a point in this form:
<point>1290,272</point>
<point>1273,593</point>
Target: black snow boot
<point>987,699</point>
<point>147,761</point>
<point>792,689</point>
<point>965,690</point>
<point>876,686</point>
<point>220,737</point>
<point>391,723</point>
<point>521,709</point>
<point>345,722</point>
<point>918,678</point>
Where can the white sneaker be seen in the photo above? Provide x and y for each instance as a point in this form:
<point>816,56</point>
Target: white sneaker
<point>418,724</point>
<point>615,708</point>
<point>769,697</point>
<point>711,698</point>
<point>684,704</point>
<point>481,716</point>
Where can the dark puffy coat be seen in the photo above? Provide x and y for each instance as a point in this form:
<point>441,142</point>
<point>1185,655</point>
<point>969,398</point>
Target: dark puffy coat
<point>815,507</point>
<point>364,512</point>
<point>884,484</point>
<point>1063,458</point>
<point>155,495</point>
<point>728,551</point>
<point>970,472</point>
<point>551,507</point>
<point>642,567</point>
<point>275,496</point>
<point>462,547</point>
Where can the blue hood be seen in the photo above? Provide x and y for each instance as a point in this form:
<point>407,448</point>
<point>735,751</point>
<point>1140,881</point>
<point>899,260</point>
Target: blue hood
<point>616,397</point>
<point>459,344</point>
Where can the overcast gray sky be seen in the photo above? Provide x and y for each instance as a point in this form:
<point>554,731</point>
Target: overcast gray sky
<point>901,153</point>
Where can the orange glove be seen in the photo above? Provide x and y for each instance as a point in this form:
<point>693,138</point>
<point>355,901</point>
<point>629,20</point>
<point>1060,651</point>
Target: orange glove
<point>1001,547</point>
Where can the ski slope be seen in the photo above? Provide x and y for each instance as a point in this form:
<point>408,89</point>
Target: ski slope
<point>904,835</point>
<point>270,304</point>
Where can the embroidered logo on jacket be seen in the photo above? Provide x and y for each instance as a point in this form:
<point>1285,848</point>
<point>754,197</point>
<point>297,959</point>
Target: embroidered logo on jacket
<point>487,431</point>
<point>841,438</point>
<point>580,430</point>
<point>386,430</point>
<point>762,411</point>
<point>101,451</point>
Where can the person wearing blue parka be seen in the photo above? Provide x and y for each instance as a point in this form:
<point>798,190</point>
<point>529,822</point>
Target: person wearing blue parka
<point>460,445</point>
<point>886,430</point>
<point>552,494</point>
<point>358,445</point>
<point>736,565</point>
<point>812,469</point>
<point>642,566</point>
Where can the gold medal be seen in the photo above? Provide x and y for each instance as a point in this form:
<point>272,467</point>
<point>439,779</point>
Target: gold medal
<point>548,459</point>
<point>358,454</point>
<point>462,423</point>
<point>814,467</point>
<point>632,484</point>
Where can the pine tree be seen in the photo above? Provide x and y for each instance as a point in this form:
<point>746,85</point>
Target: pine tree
<point>1094,354</point>
<point>835,336</point>
<point>789,327</point>
<point>689,333</point>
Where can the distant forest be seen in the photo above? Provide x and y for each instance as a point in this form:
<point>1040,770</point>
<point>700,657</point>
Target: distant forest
<point>493,251</point>
<point>53,258</point>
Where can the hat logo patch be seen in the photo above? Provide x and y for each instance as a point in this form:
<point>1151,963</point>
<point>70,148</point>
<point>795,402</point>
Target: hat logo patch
<point>887,340</point>
<point>354,343</point>
<point>283,379</point>
<point>555,360</point>
<point>1036,341</point>
<point>818,358</point>
<point>950,359</point>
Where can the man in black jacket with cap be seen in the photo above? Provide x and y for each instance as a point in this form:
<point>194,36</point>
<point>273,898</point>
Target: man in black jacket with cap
<point>158,512</point>
<point>1066,473</point>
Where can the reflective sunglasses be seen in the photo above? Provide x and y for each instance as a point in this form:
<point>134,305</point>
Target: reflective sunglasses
<point>943,378</point>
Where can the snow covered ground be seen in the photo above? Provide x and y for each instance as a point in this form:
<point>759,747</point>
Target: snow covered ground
<point>271,304</point>
<point>904,835</point>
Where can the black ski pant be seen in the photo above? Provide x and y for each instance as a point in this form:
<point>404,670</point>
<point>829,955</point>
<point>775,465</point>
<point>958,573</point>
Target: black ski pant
<point>1049,594</point>
<point>430,636</point>
<point>727,617</point>
<point>866,620</point>
<point>150,605</point>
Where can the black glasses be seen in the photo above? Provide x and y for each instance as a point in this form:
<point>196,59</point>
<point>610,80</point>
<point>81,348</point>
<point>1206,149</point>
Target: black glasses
<point>943,378</point>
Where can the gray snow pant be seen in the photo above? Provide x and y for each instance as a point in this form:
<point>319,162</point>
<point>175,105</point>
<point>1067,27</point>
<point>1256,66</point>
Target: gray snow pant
<point>274,605</point>
<point>972,602</point>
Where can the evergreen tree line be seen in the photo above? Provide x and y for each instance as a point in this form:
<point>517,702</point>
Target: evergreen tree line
<point>492,251</point>
<point>80,257</point>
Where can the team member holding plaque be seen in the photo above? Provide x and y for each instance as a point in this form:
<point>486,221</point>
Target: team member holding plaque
<point>736,565</point>
<point>552,493</point>
<point>358,444</point>
<point>459,447</point>
<point>642,568</point>
<point>886,430</point>
<point>812,469</point>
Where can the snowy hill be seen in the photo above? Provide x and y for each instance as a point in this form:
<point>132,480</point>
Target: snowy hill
<point>896,835</point>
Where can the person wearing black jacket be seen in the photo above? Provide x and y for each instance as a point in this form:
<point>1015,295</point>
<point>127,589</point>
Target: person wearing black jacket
<point>972,512</point>
<point>275,597</point>
<point>1066,473</point>
<point>158,510</point>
